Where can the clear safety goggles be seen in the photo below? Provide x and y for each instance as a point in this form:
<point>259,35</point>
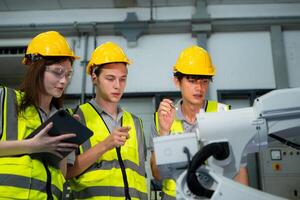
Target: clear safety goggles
<point>59,72</point>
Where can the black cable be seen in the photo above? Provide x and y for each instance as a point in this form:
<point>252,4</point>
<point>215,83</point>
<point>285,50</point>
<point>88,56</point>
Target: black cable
<point>49,178</point>
<point>48,183</point>
<point>123,170</point>
<point>286,142</point>
<point>212,149</point>
<point>122,166</point>
<point>188,155</point>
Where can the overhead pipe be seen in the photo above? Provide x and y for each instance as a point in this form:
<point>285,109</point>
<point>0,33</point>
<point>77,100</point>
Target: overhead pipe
<point>151,10</point>
<point>72,28</point>
<point>83,64</point>
<point>95,46</point>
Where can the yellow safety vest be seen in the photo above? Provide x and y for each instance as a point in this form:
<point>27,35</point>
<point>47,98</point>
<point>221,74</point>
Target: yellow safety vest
<point>22,177</point>
<point>169,185</point>
<point>104,179</point>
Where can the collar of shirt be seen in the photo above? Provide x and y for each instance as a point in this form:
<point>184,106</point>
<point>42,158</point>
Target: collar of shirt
<point>101,111</point>
<point>179,114</point>
<point>46,116</point>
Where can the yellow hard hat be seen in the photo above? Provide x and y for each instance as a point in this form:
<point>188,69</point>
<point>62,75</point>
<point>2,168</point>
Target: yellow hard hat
<point>49,43</point>
<point>108,52</point>
<point>194,60</point>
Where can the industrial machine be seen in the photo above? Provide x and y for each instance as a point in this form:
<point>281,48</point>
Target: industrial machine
<point>224,138</point>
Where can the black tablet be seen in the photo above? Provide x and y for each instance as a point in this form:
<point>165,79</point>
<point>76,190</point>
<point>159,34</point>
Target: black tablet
<point>63,123</point>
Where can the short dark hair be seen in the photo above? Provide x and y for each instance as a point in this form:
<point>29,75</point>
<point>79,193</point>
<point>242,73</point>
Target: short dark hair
<point>180,76</point>
<point>97,69</point>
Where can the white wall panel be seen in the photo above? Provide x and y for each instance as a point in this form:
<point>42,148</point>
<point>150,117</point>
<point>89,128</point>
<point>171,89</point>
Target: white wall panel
<point>168,13</point>
<point>14,42</point>
<point>292,49</point>
<point>254,10</point>
<point>153,61</point>
<point>243,61</point>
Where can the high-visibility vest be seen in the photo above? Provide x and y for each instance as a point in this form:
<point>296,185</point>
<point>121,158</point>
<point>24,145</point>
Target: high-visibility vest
<point>22,177</point>
<point>169,185</point>
<point>104,179</point>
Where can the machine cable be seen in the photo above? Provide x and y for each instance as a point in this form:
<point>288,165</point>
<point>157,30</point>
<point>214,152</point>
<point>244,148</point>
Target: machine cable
<point>188,155</point>
<point>286,142</point>
<point>220,150</point>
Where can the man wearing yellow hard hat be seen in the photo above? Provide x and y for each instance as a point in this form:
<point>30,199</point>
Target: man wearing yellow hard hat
<point>111,165</point>
<point>48,61</point>
<point>193,72</point>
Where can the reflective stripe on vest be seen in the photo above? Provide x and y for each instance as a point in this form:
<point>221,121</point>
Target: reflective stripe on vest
<point>2,94</point>
<point>8,114</point>
<point>104,180</point>
<point>165,196</point>
<point>18,182</point>
<point>20,176</point>
<point>169,185</point>
<point>107,192</point>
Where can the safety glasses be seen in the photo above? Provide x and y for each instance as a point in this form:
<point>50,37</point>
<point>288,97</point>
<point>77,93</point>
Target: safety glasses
<point>59,72</point>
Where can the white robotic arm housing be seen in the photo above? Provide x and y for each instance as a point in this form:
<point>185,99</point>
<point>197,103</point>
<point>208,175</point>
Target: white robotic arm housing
<point>247,129</point>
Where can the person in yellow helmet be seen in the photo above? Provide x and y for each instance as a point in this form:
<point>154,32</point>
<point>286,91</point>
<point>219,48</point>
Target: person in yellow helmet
<point>111,164</point>
<point>193,72</point>
<point>49,68</point>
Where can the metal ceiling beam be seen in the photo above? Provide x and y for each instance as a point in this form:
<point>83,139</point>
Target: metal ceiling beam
<point>102,28</point>
<point>132,29</point>
<point>201,24</point>
<point>201,11</point>
<point>156,26</point>
<point>256,23</point>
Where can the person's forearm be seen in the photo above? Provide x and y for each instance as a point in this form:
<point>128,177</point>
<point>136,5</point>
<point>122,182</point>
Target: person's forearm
<point>15,147</point>
<point>85,160</point>
<point>154,169</point>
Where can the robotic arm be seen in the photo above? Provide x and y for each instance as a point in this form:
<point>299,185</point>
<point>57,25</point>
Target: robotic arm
<point>223,139</point>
